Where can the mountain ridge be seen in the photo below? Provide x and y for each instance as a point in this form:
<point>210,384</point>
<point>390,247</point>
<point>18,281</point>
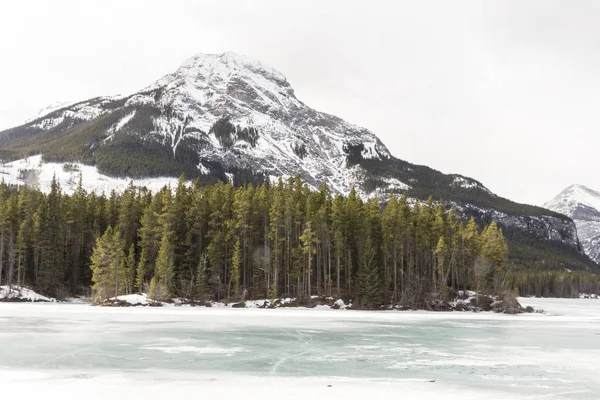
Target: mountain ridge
<point>582,204</point>
<point>229,117</point>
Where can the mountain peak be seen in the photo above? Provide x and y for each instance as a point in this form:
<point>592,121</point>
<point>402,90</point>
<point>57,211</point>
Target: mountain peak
<point>230,111</point>
<point>578,188</point>
<point>228,59</point>
<point>582,204</point>
<point>223,69</point>
<point>573,196</point>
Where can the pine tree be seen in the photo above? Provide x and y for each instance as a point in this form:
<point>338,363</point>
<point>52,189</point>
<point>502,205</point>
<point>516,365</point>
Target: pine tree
<point>309,248</point>
<point>161,285</point>
<point>276,235</point>
<point>337,226</point>
<point>471,247</point>
<point>22,246</point>
<point>243,221</point>
<point>74,210</point>
<point>495,251</point>
<point>101,266</point>
<point>129,215</point>
<point>236,266</point>
<point>368,279</point>
<point>3,228</point>
<point>52,265</point>
<point>130,268</point>
<point>109,273</point>
<point>184,268</point>
<point>201,286</point>
<point>149,235</point>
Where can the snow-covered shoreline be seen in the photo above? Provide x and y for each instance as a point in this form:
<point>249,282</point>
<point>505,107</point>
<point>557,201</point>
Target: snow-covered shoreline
<point>22,294</point>
<point>465,302</point>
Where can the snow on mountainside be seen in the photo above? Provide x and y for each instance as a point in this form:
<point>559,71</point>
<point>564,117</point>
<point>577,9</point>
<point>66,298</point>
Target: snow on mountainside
<point>233,111</point>
<point>50,108</point>
<point>218,114</point>
<point>34,172</point>
<point>582,204</point>
<point>229,117</point>
<point>293,138</point>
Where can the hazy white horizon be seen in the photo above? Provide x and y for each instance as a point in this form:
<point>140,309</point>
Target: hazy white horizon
<point>501,91</point>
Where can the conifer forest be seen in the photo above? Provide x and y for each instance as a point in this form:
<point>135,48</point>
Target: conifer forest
<point>224,243</point>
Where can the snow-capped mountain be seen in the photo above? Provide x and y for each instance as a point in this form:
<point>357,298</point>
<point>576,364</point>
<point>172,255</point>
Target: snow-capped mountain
<point>229,117</point>
<point>236,112</point>
<point>582,204</point>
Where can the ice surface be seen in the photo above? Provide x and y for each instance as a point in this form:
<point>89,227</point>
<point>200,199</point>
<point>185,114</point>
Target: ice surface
<point>63,350</point>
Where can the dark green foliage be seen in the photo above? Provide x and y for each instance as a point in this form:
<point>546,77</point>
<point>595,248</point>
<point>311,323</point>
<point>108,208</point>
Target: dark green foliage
<point>527,251</point>
<point>555,283</point>
<point>248,134</point>
<point>130,156</point>
<point>222,242</point>
<point>354,154</point>
<point>224,131</point>
<point>369,293</point>
<point>300,150</point>
<point>228,134</point>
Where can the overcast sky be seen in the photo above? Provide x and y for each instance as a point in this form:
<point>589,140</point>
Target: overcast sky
<point>506,92</point>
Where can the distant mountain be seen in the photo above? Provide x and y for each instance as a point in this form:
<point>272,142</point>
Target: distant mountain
<point>229,117</point>
<point>582,204</point>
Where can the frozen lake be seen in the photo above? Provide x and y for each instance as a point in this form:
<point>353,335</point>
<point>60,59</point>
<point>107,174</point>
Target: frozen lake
<point>67,351</point>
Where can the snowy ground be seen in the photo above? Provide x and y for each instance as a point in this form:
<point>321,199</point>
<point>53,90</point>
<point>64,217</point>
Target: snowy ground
<point>34,172</point>
<point>66,351</point>
<point>24,294</point>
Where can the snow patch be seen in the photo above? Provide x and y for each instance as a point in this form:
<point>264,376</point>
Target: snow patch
<point>467,183</point>
<point>17,293</point>
<point>134,299</point>
<point>34,172</point>
<point>119,125</point>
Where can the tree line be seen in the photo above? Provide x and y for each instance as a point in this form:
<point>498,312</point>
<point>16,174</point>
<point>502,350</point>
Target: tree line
<point>226,243</point>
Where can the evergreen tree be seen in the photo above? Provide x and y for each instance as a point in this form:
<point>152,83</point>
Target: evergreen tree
<point>130,268</point>
<point>309,248</point>
<point>109,266</point>
<point>236,266</point>
<point>201,286</point>
<point>368,280</point>
<point>494,251</point>
<point>3,228</point>
<point>161,285</point>
<point>338,235</point>
<point>52,265</point>
<point>149,236</point>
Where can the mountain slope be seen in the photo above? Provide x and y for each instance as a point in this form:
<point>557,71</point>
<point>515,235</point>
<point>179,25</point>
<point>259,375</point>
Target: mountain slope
<point>582,204</point>
<point>228,117</point>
